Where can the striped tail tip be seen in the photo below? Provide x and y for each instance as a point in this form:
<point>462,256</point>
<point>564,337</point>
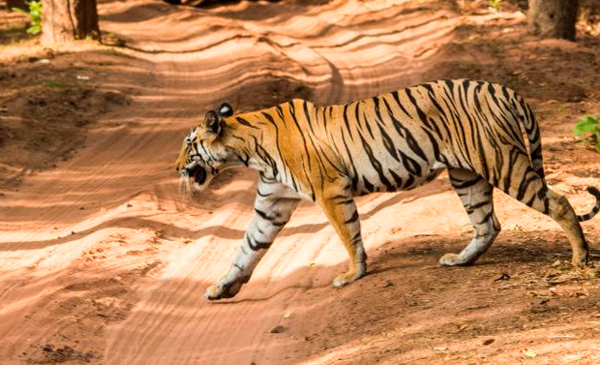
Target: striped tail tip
<point>596,193</point>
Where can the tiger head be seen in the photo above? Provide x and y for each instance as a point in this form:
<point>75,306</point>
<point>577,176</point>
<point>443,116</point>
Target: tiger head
<point>203,154</point>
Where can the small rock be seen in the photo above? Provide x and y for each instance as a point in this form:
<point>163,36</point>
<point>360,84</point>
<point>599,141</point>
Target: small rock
<point>48,347</point>
<point>278,329</point>
<point>489,341</point>
<point>556,263</point>
<point>388,284</point>
<point>463,326</point>
<point>504,276</point>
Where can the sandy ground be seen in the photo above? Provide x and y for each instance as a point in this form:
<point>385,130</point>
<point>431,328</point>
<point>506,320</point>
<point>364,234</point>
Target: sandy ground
<point>102,261</point>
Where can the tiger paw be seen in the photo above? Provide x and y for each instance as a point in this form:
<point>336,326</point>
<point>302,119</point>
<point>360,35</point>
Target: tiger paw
<point>452,259</point>
<point>347,278</point>
<point>221,291</point>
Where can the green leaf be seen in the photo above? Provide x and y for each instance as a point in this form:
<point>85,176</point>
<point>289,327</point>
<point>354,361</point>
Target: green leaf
<point>586,124</point>
<point>34,29</point>
<point>19,11</point>
<point>495,4</point>
<point>35,5</point>
<point>589,117</point>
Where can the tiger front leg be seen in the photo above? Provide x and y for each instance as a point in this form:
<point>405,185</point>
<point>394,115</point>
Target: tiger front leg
<point>272,210</point>
<point>343,216</point>
<point>239,273</point>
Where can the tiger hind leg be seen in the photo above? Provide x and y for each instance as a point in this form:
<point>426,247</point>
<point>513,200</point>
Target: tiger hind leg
<point>528,187</point>
<point>476,196</point>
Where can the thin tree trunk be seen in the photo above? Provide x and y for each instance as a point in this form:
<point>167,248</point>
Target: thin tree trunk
<point>66,20</point>
<point>553,18</point>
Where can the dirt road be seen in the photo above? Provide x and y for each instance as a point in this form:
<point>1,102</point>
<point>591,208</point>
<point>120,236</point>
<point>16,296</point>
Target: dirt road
<point>103,261</point>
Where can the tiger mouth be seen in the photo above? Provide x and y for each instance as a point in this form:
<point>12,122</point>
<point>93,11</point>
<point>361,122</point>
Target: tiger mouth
<point>194,172</point>
<point>198,174</point>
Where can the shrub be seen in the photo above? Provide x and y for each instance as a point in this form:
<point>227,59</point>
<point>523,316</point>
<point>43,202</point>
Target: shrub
<point>35,15</point>
<point>589,126</point>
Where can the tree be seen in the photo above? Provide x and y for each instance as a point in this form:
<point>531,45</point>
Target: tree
<point>553,18</point>
<point>65,20</point>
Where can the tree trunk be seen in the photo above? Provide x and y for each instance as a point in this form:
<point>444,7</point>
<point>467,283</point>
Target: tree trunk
<point>16,4</point>
<point>553,18</point>
<point>66,20</point>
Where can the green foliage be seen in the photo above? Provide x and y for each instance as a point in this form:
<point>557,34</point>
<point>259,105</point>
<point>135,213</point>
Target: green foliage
<point>495,4</point>
<point>35,15</point>
<point>589,124</point>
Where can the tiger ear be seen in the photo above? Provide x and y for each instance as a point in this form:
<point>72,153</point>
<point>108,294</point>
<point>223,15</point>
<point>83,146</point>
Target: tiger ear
<point>225,110</point>
<point>212,122</point>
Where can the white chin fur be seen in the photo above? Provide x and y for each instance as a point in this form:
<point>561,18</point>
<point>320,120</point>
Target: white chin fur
<point>197,187</point>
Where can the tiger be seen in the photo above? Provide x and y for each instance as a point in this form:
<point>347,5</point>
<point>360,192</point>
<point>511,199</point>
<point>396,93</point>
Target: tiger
<point>395,141</point>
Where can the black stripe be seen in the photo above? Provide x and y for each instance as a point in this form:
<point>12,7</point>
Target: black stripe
<point>352,219</point>
<point>420,113</point>
<point>345,116</point>
<point>388,144</point>
<point>261,194</point>
<point>245,122</point>
<point>305,106</point>
<point>257,245</point>
<point>486,217</point>
<point>464,184</point>
<point>524,185</point>
<point>354,171</point>
<point>411,165</point>
<point>409,182</point>
<point>376,164</point>
<point>370,188</point>
<point>397,179</point>
<point>479,205</point>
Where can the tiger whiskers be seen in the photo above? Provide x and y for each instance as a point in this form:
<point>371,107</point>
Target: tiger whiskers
<point>184,185</point>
